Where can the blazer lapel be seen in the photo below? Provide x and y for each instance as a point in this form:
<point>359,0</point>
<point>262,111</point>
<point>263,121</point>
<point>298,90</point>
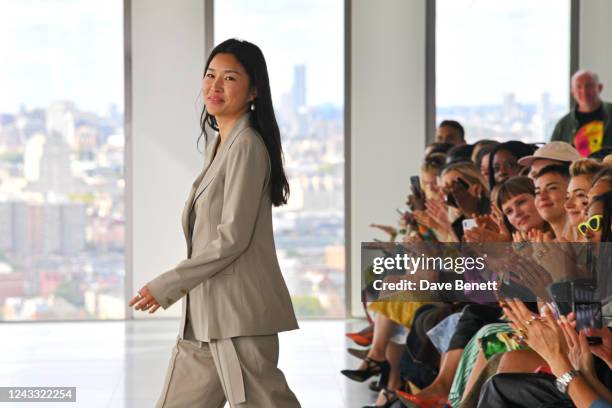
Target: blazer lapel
<point>189,203</point>
<point>211,169</point>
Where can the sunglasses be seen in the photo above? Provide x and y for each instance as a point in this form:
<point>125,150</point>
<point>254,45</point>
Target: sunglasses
<point>593,224</point>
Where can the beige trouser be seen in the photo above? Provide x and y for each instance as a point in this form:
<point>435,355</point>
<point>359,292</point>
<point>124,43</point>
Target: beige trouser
<point>242,370</point>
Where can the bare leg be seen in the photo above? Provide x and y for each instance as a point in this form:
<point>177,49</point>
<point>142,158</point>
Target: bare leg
<point>520,361</point>
<point>393,354</point>
<point>441,385</point>
<point>481,362</point>
<point>383,329</point>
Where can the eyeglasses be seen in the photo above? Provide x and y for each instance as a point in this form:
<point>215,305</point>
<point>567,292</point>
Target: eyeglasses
<point>593,224</point>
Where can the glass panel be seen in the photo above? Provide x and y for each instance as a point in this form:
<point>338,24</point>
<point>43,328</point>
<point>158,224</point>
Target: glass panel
<point>502,67</point>
<point>61,160</point>
<point>303,43</point>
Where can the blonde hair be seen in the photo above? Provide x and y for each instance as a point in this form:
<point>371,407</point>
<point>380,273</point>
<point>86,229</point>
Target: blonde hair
<point>585,167</point>
<point>607,161</point>
<point>470,173</point>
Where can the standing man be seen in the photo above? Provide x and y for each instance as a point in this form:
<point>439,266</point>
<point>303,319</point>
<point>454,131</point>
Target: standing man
<point>450,131</point>
<point>589,125</point>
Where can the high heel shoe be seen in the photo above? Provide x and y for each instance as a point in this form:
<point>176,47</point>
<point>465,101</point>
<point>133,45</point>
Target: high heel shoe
<point>390,398</point>
<point>373,367</point>
<point>359,353</point>
<point>414,401</point>
<point>363,337</point>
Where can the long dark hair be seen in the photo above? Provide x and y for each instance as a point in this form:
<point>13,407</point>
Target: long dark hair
<point>262,117</point>
<point>606,221</point>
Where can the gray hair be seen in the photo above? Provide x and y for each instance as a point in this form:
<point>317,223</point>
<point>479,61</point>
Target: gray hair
<point>580,72</point>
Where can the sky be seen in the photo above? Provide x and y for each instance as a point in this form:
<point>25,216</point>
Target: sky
<point>73,49</point>
<point>61,49</point>
<point>291,32</point>
<point>501,46</point>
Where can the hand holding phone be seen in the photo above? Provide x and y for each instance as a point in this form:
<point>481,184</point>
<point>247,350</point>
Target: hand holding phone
<point>417,199</point>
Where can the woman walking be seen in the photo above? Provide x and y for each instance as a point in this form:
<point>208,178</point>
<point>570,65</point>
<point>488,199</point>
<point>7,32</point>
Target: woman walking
<point>235,300</point>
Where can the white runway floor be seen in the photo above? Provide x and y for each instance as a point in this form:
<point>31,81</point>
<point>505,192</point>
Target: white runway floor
<point>122,364</point>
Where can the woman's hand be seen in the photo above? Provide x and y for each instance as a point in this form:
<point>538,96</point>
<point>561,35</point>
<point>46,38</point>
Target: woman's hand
<point>541,333</point>
<point>579,354</point>
<point>466,202</point>
<point>437,211</point>
<point>532,276</point>
<point>386,228</point>
<point>144,300</point>
<point>486,230</point>
<point>557,258</point>
<point>603,350</point>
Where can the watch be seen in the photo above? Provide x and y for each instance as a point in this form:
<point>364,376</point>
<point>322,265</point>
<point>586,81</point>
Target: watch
<point>563,381</point>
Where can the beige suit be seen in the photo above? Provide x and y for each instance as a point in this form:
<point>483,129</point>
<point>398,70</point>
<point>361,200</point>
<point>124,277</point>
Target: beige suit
<point>236,296</point>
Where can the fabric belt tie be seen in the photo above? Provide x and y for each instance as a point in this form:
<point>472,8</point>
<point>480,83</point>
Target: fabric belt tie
<point>230,372</point>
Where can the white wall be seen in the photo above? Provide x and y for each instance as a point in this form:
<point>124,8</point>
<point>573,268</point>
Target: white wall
<point>387,115</point>
<point>167,53</point>
<point>595,37</point>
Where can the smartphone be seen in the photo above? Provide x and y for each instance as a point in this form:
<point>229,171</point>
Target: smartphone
<point>402,211</point>
<point>415,183</point>
<point>587,309</point>
<point>469,223</point>
<point>417,198</point>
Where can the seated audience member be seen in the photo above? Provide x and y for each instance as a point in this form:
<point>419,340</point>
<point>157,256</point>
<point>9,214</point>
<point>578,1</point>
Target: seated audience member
<point>450,131</point>
<point>550,188</point>
<point>460,153</point>
<point>588,127</point>
<point>481,156</point>
<point>393,318</point>
<point>550,153</point>
<point>479,145</point>
<point>602,181</point>
<point>504,164</point>
<point>559,345</point>
<point>597,227</point>
<point>576,202</point>
<point>445,216</point>
<point>574,381</point>
<point>430,169</point>
<point>516,198</point>
<point>437,147</point>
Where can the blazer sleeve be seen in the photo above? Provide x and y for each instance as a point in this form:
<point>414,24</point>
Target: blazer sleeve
<point>246,178</point>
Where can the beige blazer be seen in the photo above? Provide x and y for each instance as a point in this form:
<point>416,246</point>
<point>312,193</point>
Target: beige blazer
<point>231,274</point>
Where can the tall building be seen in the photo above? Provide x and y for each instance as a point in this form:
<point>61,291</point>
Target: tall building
<point>28,229</point>
<point>32,157</point>
<point>73,223</point>
<point>55,174</point>
<point>299,87</point>
<point>60,121</point>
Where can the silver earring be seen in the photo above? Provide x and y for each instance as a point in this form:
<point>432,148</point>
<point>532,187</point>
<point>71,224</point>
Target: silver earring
<point>252,106</point>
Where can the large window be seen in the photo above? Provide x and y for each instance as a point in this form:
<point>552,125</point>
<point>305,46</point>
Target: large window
<point>303,43</point>
<point>502,67</point>
<point>61,160</point>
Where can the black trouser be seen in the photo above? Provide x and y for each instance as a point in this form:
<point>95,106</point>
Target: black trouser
<point>522,390</point>
<point>474,316</point>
